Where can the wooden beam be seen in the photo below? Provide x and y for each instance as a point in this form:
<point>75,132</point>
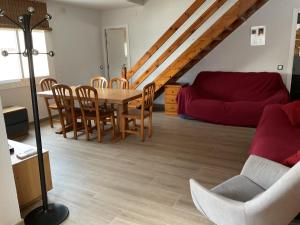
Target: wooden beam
<point>194,27</point>
<point>175,26</point>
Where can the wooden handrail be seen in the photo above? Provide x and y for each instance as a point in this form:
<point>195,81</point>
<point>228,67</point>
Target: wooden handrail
<point>192,29</point>
<point>178,23</point>
<point>234,13</point>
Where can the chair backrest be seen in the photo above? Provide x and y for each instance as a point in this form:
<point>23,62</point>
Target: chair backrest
<point>119,83</point>
<point>47,83</point>
<point>148,96</point>
<point>99,82</point>
<point>88,99</point>
<point>63,96</point>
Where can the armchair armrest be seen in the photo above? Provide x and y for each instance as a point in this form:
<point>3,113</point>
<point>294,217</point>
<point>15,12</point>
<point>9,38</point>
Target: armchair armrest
<point>219,209</point>
<point>278,205</point>
<point>262,171</point>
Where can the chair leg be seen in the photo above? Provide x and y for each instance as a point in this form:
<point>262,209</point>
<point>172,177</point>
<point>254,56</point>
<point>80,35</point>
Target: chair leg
<point>113,126</point>
<point>62,121</point>
<point>99,129</point>
<point>75,127</point>
<point>142,129</point>
<point>87,135</point>
<point>122,121</point>
<point>150,127</point>
<point>50,117</point>
<point>134,124</point>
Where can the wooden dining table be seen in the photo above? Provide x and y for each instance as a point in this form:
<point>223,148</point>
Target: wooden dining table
<point>118,97</point>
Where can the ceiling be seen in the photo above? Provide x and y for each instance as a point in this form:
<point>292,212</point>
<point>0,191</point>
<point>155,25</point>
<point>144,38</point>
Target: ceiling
<point>102,4</point>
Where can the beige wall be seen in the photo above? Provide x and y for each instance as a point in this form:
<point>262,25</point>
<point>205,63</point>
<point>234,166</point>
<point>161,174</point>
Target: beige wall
<point>9,208</point>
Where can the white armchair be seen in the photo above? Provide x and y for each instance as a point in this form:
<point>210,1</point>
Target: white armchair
<point>265,193</point>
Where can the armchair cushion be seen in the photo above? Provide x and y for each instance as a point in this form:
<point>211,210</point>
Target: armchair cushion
<point>238,188</point>
<point>217,207</point>
<point>277,205</point>
<point>262,171</point>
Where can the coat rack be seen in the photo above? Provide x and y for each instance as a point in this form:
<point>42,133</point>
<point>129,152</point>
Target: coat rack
<point>47,214</point>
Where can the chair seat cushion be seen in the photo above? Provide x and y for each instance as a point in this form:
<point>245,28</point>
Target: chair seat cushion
<point>238,188</point>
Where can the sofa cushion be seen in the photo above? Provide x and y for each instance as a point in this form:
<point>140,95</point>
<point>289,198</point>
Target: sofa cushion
<point>275,138</point>
<point>239,86</point>
<point>242,113</point>
<point>292,160</point>
<point>231,98</point>
<point>292,111</point>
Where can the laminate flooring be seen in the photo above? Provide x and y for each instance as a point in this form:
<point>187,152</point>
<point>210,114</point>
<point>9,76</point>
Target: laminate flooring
<point>142,183</point>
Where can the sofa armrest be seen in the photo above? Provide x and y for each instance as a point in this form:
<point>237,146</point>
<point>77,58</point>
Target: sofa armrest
<point>184,97</point>
<point>281,97</point>
<point>262,171</point>
<point>218,209</point>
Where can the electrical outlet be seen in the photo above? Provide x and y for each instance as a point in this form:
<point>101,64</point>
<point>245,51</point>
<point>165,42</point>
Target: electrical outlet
<point>280,67</point>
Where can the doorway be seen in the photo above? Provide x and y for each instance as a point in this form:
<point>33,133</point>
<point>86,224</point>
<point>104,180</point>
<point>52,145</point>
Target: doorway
<point>116,50</point>
<point>295,86</point>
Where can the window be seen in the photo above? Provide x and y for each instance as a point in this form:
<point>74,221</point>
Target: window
<point>15,67</point>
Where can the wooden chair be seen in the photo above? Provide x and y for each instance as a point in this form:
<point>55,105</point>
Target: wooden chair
<point>89,104</point>
<point>119,83</point>
<point>140,114</point>
<point>46,85</point>
<point>99,82</point>
<point>68,114</point>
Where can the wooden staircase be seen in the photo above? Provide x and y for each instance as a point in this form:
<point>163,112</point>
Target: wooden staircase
<point>213,36</point>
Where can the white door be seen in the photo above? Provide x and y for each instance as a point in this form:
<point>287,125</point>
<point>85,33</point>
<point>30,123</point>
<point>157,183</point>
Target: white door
<point>116,51</point>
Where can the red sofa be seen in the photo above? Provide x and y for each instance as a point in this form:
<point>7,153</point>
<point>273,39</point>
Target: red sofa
<point>276,138</point>
<point>231,98</point>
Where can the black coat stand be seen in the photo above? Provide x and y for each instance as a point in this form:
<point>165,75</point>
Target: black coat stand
<point>47,214</point>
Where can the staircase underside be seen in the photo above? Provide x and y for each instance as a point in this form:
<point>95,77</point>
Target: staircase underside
<point>220,30</point>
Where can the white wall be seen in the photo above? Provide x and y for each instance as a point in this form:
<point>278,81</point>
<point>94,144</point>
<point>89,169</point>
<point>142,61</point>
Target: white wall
<point>147,24</point>
<point>76,40</point>
<point>9,208</point>
<point>236,54</point>
<point>21,96</point>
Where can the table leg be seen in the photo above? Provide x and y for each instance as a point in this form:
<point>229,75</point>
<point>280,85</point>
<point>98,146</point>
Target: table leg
<point>121,109</point>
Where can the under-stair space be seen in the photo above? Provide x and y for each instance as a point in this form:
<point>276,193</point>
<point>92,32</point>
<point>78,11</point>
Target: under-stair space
<point>202,27</point>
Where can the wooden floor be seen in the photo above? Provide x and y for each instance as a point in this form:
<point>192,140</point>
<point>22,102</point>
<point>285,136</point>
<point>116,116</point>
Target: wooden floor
<point>135,183</point>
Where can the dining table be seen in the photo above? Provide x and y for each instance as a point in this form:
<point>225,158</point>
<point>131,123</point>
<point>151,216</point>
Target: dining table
<point>118,97</point>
